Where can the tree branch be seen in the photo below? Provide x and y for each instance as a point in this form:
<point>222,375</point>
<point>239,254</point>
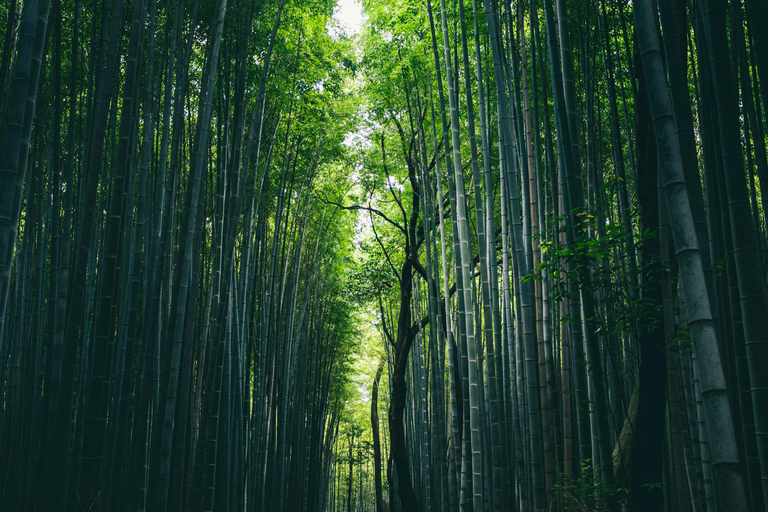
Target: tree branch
<point>383,318</point>
<point>384,249</point>
<point>359,207</point>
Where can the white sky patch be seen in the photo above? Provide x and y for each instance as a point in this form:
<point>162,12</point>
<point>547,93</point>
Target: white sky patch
<point>361,138</point>
<point>393,182</point>
<point>348,18</point>
<point>363,229</point>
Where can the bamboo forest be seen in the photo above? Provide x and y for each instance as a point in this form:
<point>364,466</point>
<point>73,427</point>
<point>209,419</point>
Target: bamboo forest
<point>383,255</point>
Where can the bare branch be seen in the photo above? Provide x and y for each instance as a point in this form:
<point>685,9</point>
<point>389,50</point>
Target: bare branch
<point>384,249</point>
<point>387,333</point>
<point>389,184</point>
<point>359,207</point>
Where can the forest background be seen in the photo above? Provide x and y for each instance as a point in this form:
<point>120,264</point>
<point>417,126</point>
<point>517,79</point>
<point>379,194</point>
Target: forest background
<point>388,255</point>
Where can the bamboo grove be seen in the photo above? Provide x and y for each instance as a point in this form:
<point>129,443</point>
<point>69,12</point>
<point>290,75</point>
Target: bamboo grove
<point>175,333</point>
<point>548,214</point>
<point>566,256</point>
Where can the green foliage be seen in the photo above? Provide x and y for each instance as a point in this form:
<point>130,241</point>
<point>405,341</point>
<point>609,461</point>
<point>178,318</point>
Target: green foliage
<point>586,493</point>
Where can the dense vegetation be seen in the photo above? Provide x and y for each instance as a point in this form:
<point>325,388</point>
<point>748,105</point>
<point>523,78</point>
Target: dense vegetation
<point>478,256</point>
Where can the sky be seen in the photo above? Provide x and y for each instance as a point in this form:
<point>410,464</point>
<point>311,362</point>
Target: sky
<point>348,14</point>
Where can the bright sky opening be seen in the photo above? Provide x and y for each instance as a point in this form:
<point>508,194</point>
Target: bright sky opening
<point>348,17</point>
